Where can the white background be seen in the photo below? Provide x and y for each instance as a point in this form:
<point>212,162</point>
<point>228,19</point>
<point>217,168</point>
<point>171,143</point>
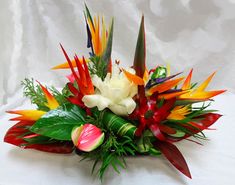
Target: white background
<point>197,34</point>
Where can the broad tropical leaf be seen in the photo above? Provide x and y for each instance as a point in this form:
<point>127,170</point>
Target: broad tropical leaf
<point>58,123</point>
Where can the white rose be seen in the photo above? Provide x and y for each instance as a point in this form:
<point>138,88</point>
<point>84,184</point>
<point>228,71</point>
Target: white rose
<point>115,93</point>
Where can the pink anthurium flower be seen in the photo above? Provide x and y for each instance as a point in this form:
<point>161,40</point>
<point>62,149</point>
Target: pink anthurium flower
<point>87,137</point>
<point>71,77</point>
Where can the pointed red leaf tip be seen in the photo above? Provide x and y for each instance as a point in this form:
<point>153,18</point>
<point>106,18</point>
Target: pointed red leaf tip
<point>12,135</point>
<point>172,153</point>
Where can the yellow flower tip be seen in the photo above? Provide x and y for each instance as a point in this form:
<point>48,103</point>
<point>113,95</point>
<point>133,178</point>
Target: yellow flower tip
<point>51,101</point>
<point>168,67</point>
<point>179,113</point>
<point>146,75</point>
<point>203,86</point>
<point>26,115</point>
<point>201,95</point>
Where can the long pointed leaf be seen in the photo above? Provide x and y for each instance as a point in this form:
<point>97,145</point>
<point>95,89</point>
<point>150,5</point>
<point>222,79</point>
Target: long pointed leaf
<point>172,153</point>
<point>108,50</point>
<point>139,60</point>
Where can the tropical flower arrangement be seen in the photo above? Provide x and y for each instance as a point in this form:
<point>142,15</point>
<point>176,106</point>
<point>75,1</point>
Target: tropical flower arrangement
<point>107,112</point>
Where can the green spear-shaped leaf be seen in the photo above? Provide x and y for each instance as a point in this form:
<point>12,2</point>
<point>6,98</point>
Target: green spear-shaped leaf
<point>139,60</point>
<point>108,50</point>
<point>88,14</point>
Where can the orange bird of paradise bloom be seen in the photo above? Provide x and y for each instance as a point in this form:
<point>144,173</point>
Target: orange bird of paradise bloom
<point>198,93</point>
<point>34,115</point>
<point>98,38</point>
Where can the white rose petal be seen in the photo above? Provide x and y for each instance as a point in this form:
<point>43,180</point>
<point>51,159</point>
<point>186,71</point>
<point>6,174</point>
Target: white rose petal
<point>124,107</point>
<point>115,93</point>
<point>96,100</point>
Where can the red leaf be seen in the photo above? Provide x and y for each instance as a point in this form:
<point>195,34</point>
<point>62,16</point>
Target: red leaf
<point>157,132</point>
<point>166,129</point>
<point>209,119</point>
<point>73,89</point>
<point>15,134</point>
<point>172,153</point>
<point>58,147</point>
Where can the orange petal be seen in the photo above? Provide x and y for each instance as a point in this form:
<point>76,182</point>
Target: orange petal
<point>206,95</point>
<point>66,65</point>
<point>133,78</point>
<point>201,95</point>
<point>27,115</point>
<point>51,101</point>
<point>187,82</point>
<point>175,116</point>
<point>165,86</point>
<point>179,112</point>
<point>171,95</point>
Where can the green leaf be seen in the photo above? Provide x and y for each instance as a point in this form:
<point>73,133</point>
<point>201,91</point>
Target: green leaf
<point>58,123</point>
<point>115,167</point>
<point>118,125</point>
<point>108,50</point>
<point>88,14</point>
<point>39,140</point>
<point>154,152</point>
<point>139,60</point>
<point>34,93</point>
<point>178,133</point>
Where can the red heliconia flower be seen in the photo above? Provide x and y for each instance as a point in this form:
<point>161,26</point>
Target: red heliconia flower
<point>150,116</point>
<point>82,76</point>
